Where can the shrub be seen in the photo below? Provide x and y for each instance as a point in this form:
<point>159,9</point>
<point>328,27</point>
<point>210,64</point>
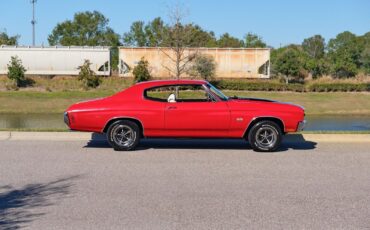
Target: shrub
<point>271,85</point>
<point>339,87</point>
<point>16,71</point>
<point>141,71</point>
<point>265,85</point>
<point>88,76</point>
<point>204,67</point>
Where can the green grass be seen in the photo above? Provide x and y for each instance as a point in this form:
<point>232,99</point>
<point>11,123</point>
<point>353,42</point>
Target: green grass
<point>44,102</point>
<point>335,103</point>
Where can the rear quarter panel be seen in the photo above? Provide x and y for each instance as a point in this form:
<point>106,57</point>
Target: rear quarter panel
<point>93,116</point>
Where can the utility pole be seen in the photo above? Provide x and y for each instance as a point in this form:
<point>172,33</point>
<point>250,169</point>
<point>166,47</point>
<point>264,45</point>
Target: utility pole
<point>33,22</point>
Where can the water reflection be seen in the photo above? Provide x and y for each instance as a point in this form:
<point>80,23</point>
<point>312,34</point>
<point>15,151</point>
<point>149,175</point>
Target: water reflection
<point>336,123</point>
<point>55,121</point>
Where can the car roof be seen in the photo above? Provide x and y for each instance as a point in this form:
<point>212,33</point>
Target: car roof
<point>136,91</point>
<point>147,84</point>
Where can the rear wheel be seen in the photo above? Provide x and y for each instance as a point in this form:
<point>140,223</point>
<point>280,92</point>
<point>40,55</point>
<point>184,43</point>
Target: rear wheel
<point>265,136</point>
<point>123,135</point>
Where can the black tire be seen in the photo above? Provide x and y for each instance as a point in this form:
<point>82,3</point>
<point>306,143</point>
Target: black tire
<point>123,135</point>
<point>265,136</point>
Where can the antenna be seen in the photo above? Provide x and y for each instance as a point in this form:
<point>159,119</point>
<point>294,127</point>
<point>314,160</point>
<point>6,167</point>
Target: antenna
<point>33,22</point>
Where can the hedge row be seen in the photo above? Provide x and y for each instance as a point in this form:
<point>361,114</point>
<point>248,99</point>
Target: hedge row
<point>339,87</point>
<point>276,86</point>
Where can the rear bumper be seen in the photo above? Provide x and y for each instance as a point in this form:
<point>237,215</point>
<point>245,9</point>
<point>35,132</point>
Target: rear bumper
<point>301,125</point>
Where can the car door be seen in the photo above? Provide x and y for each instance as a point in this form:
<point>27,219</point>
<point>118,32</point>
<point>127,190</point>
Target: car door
<point>196,113</point>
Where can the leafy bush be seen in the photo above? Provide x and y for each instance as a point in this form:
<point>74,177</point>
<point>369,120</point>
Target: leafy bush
<point>141,71</point>
<point>88,76</point>
<point>204,67</point>
<point>16,71</point>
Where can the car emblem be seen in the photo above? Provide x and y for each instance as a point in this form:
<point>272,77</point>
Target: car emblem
<point>239,119</point>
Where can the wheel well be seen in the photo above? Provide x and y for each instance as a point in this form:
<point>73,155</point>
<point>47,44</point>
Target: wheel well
<point>258,119</point>
<point>125,119</point>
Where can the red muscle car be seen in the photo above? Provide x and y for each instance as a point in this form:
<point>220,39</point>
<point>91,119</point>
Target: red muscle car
<point>184,108</point>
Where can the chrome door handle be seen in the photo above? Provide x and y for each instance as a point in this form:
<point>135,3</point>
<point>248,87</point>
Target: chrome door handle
<point>171,107</point>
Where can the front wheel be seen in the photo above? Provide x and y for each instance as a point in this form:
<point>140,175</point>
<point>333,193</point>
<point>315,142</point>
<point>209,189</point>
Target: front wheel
<point>265,136</point>
<point>123,135</point>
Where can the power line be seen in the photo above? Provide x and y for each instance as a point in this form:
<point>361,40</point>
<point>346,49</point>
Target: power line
<point>33,22</point>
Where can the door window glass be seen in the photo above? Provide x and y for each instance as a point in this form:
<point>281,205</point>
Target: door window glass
<point>179,93</point>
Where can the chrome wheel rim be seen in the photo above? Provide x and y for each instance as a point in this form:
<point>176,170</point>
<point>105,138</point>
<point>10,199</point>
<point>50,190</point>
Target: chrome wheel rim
<point>266,137</point>
<point>123,135</point>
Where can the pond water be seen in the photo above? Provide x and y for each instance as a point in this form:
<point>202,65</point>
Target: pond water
<point>55,121</point>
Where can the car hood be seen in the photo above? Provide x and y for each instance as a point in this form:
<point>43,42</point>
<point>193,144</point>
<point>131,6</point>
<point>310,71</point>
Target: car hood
<point>252,99</point>
<point>272,104</point>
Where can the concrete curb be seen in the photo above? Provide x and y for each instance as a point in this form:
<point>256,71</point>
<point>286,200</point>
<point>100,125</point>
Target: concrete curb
<point>86,136</point>
<point>52,136</point>
<point>337,138</point>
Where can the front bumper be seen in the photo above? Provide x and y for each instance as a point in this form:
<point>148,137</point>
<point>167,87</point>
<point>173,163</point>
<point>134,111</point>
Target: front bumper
<point>66,118</point>
<point>301,125</point>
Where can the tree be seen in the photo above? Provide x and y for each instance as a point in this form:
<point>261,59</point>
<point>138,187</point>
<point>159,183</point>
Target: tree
<point>86,29</point>
<point>227,41</point>
<point>289,62</point>
<point>254,41</point>
<point>178,39</point>
<point>317,67</point>
<point>5,39</point>
<point>88,76</point>
<point>16,71</point>
<point>154,33</point>
<point>136,36</point>
<point>200,37</point>
<point>316,63</point>
<point>204,67</point>
<point>314,46</point>
<point>365,54</point>
<point>141,71</point>
<point>345,54</point>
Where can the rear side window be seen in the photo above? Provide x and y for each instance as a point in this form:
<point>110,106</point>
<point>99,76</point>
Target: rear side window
<point>159,93</point>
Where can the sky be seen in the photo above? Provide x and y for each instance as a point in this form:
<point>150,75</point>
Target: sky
<point>278,22</point>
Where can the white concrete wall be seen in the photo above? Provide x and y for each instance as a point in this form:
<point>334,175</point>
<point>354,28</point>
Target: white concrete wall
<point>55,60</point>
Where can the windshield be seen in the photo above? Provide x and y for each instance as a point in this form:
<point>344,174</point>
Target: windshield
<point>217,92</point>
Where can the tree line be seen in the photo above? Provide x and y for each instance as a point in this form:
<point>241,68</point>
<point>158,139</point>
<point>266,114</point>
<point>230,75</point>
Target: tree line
<point>344,56</point>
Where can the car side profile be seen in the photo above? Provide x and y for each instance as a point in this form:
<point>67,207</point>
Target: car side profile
<point>184,109</point>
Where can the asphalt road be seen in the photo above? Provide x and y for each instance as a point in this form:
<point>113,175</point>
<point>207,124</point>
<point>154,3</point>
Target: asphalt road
<point>183,184</point>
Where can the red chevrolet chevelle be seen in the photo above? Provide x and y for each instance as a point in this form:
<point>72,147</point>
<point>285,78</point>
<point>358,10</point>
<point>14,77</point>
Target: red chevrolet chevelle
<point>184,108</point>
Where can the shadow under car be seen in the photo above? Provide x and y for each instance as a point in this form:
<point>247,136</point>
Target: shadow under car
<point>291,141</point>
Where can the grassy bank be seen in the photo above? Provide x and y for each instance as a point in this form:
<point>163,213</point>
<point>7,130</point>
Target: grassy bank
<point>339,103</point>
